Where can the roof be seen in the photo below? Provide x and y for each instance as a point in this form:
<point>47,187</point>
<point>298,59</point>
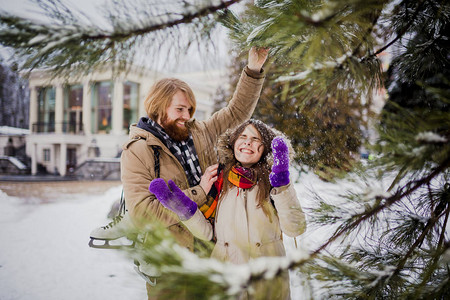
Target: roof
<point>7,130</point>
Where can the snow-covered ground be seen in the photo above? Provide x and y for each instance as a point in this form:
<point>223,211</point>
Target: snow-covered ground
<point>44,251</point>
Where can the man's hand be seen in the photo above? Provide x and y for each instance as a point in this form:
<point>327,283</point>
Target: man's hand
<point>209,177</point>
<point>173,198</point>
<point>280,169</point>
<point>256,58</point>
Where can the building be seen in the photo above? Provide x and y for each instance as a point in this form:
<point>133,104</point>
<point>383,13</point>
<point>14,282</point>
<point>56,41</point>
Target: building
<point>13,158</point>
<point>75,120</point>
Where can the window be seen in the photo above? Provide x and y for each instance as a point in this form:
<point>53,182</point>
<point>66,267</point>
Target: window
<point>73,108</point>
<point>46,155</point>
<point>71,162</point>
<point>130,103</point>
<point>101,109</point>
<point>46,110</point>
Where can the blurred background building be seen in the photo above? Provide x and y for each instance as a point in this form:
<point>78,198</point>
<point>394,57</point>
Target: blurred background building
<point>77,125</point>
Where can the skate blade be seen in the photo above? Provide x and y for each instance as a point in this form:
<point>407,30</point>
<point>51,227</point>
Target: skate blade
<point>150,280</point>
<point>110,244</point>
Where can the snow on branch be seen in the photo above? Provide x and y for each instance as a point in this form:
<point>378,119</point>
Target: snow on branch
<point>430,137</point>
<point>67,38</point>
<point>376,193</point>
<point>338,63</point>
<point>384,274</point>
<point>153,23</point>
<point>177,263</point>
<point>235,278</point>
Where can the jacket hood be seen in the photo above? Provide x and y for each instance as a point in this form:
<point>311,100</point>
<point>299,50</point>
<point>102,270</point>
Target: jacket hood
<point>142,130</point>
<point>138,132</point>
<point>143,124</point>
<point>225,151</point>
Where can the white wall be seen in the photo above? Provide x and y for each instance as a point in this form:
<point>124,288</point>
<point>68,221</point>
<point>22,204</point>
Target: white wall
<point>18,141</point>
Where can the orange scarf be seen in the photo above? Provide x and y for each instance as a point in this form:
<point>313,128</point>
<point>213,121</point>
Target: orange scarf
<point>209,208</point>
<point>241,177</point>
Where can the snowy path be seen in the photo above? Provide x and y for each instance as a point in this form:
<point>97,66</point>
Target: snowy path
<point>44,253</point>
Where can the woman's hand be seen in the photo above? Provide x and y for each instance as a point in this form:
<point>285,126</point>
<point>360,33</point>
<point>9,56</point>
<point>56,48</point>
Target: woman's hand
<point>280,169</point>
<point>209,177</point>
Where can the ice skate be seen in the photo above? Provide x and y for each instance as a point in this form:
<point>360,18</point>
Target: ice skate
<point>146,271</point>
<point>120,233</point>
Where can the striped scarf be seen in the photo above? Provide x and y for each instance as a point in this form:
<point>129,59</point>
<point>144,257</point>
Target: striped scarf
<point>241,177</point>
<point>184,151</point>
<point>209,208</point>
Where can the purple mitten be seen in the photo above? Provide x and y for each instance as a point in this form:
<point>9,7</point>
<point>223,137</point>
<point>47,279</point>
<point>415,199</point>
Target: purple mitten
<point>171,197</point>
<point>280,169</point>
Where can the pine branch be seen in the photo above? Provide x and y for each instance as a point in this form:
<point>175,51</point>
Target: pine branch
<point>420,239</point>
<point>368,33</point>
<point>444,227</point>
<point>185,19</point>
<point>315,21</point>
<point>388,202</point>
<point>404,29</point>
<point>68,42</point>
<point>441,248</point>
<point>203,278</point>
<point>318,44</point>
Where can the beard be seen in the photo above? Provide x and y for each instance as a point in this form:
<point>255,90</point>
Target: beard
<point>175,132</point>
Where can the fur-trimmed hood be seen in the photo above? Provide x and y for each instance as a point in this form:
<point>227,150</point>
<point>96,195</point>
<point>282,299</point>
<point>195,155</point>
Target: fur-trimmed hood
<point>225,150</point>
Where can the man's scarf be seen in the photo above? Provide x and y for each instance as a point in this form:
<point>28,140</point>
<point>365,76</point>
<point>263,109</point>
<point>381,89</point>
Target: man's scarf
<point>184,151</point>
<point>241,177</point>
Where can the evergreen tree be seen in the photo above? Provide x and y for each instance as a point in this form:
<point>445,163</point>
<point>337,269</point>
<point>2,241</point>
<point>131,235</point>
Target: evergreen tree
<point>326,134</point>
<point>387,243</point>
<point>402,249</point>
<point>14,98</point>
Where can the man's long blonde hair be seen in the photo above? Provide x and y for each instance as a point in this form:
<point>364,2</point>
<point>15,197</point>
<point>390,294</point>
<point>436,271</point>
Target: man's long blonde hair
<point>161,94</point>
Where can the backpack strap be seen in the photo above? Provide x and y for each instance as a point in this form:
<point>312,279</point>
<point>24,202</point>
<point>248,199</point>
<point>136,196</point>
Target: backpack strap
<point>156,153</point>
<point>156,157</point>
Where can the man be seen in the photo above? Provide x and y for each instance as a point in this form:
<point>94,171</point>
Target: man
<point>170,142</point>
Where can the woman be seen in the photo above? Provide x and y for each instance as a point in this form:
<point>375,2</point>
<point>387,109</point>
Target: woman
<point>256,203</point>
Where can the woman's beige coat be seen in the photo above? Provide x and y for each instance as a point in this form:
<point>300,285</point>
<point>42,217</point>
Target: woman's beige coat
<point>138,163</point>
<point>244,231</point>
